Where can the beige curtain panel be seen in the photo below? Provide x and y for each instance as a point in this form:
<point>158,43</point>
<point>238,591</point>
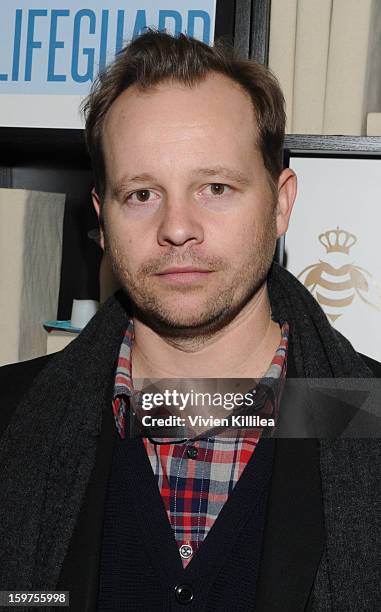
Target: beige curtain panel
<point>327,57</point>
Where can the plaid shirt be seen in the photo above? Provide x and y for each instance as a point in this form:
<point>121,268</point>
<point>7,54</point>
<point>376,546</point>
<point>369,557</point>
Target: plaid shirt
<point>196,477</point>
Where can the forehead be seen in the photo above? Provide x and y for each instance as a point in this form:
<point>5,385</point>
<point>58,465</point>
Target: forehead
<point>176,120</point>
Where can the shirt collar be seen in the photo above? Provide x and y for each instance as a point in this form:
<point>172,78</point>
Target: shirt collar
<point>123,387</point>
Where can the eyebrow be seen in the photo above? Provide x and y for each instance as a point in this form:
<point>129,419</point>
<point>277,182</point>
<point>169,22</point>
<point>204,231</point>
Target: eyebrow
<point>126,181</point>
<point>229,173</point>
<point>223,171</point>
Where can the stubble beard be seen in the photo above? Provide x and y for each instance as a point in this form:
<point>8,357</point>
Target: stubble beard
<point>219,307</point>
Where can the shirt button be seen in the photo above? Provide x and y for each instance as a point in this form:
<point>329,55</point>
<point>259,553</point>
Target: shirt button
<point>184,593</point>
<point>186,551</point>
<point>192,452</point>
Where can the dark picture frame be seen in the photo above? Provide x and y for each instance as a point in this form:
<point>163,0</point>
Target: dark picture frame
<point>332,245</point>
<point>316,146</point>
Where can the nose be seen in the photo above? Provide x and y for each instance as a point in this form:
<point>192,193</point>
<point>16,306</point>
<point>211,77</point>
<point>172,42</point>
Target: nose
<point>180,223</point>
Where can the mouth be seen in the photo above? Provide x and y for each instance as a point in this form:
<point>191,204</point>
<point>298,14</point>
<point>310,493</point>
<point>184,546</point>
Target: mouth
<point>183,275</point>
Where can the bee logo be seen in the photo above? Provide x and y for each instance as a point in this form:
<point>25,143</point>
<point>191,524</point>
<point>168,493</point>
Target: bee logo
<point>335,288</point>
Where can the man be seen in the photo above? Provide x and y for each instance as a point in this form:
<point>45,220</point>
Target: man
<point>186,145</point>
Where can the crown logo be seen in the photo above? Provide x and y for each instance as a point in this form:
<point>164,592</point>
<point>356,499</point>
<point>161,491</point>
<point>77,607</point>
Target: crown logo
<point>337,241</point>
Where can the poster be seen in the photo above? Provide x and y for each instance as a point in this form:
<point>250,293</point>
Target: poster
<point>333,243</point>
<point>51,52</point>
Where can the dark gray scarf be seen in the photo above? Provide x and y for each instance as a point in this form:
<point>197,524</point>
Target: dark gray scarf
<point>48,451</point>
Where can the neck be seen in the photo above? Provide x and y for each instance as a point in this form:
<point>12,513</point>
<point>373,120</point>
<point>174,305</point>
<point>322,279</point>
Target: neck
<point>243,348</point>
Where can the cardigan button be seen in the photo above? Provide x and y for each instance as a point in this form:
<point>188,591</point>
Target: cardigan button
<point>186,551</point>
<point>184,593</point>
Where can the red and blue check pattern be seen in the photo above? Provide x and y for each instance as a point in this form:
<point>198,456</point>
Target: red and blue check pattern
<point>195,478</point>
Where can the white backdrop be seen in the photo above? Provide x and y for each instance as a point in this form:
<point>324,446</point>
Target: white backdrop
<point>334,243</point>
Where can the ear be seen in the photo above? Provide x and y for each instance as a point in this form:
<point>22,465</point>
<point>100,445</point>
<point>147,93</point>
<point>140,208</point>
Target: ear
<point>287,188</point>
<point>98,210</point>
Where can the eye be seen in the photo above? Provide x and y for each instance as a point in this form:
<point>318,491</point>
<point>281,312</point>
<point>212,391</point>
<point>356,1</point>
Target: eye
<point>142,195</point>
<point>218,189</point>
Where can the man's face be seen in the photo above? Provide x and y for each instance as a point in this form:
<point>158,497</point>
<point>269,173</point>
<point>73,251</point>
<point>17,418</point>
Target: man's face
<point>189,218</point>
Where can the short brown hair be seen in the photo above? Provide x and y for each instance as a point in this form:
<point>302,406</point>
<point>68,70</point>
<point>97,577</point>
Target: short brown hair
<point>154,57</point>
